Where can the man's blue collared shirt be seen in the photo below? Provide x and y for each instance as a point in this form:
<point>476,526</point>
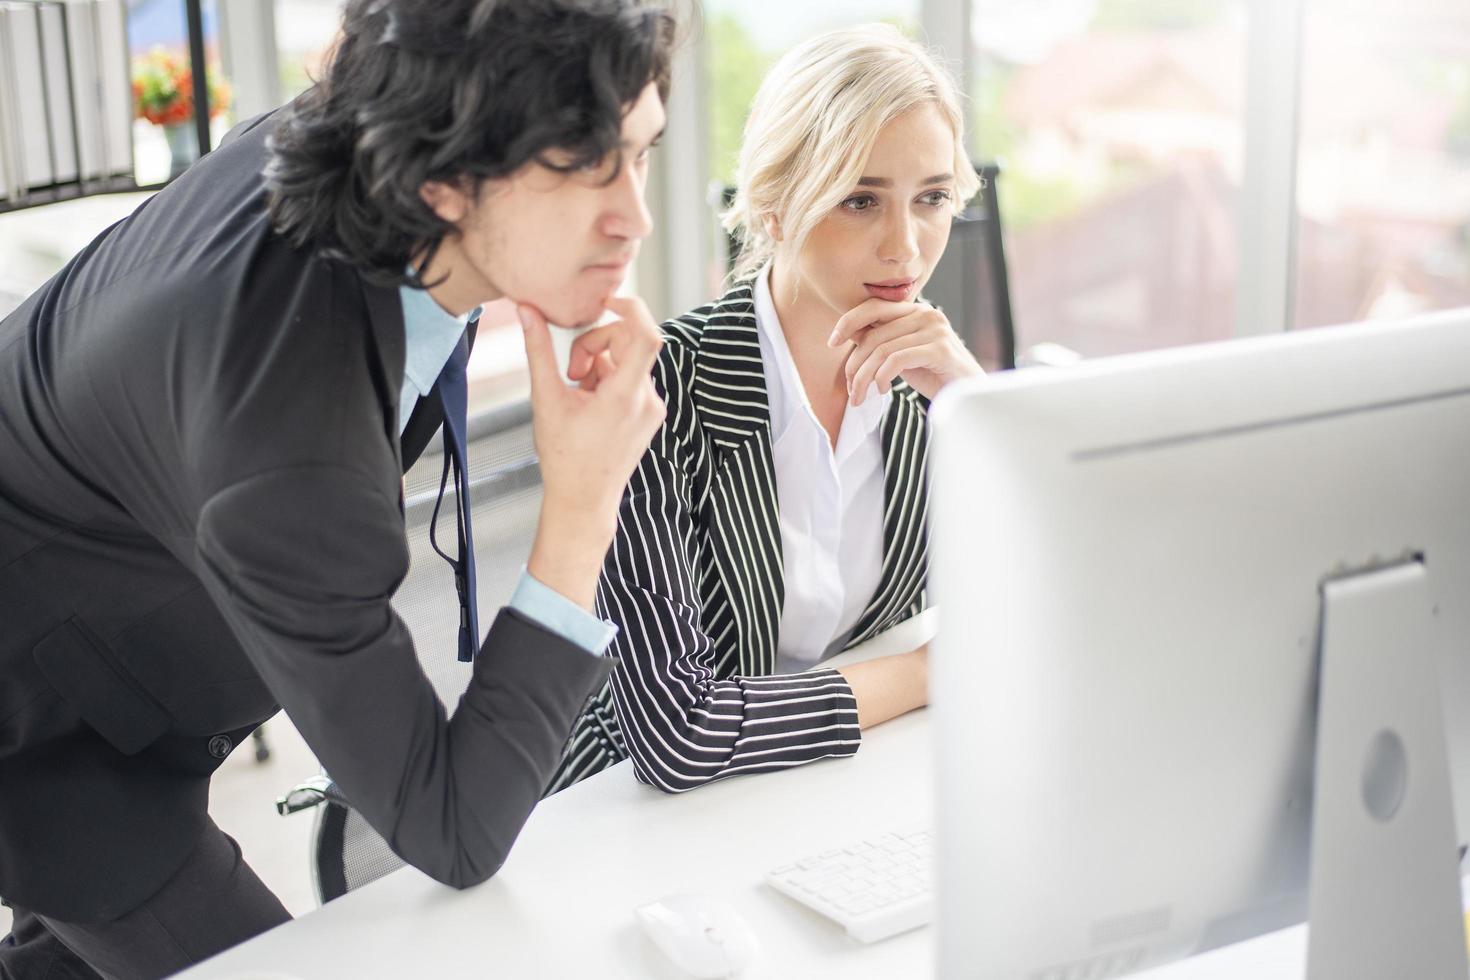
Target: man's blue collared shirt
<point>430,335</point>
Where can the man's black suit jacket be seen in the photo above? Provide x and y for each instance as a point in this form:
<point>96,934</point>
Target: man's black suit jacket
<point>200,521</point>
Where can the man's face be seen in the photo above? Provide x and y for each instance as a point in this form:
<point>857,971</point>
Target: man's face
<point>559,242</point>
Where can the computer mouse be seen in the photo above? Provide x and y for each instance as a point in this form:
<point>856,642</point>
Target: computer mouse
<point>703,936</point>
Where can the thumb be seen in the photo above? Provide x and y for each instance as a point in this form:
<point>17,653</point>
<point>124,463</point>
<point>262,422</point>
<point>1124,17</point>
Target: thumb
<point>539,356</point>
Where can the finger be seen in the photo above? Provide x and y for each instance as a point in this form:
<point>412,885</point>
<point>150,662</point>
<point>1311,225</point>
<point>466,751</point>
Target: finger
<point>539,356</point>
<point>627,376</point>
<point>857,388</point>
<point>655,409</point>
<point>869,338</point>
<point>634,341</point>
<point>634,310</point>
<point>900,361</point>
<point>867,313</point>
<point>598,368</point>
<point>624,339</point>
<point>872,369</point>
<point>580,360</point>
<point>623,348</point>
<point>642,328</point>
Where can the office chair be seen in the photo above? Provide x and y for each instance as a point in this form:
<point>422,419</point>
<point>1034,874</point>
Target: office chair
<point>971,283</point>
<point>505,499</point>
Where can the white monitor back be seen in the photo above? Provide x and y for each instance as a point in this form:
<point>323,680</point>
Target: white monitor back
<point>1128,556</point>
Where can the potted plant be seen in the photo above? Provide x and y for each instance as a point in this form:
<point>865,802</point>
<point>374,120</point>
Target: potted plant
<point>163,94</point>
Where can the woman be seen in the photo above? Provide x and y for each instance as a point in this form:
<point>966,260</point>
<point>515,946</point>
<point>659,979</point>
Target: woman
<point>778,516</point>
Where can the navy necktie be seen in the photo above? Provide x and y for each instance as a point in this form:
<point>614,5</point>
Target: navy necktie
<point>453,391</point>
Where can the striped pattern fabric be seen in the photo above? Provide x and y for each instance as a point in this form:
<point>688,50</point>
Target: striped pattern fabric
<point>694,577</point>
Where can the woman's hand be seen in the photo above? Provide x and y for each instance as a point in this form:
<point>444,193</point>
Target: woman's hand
<point>913,341</point>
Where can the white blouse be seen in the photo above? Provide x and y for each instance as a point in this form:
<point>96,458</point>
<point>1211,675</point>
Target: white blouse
<point>830,502</point>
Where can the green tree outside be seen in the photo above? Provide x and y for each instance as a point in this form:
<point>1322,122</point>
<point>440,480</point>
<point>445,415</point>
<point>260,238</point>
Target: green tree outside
<point>736,67</point>
<point>737,64</point>
<point>1157,14</point>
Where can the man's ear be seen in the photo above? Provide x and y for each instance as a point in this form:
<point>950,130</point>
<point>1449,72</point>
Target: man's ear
<point>772,224</point>
<point>446,200</point>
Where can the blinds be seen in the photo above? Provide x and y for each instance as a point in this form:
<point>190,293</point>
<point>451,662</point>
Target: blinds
<point>65,100</point>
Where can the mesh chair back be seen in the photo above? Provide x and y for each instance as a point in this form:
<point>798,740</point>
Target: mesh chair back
<point>505,494</point>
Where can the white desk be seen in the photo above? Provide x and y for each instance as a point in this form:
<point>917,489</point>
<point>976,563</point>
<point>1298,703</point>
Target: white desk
<point>562,904</point>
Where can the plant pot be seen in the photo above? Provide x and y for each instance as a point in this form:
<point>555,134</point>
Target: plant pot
<point>183,146</point>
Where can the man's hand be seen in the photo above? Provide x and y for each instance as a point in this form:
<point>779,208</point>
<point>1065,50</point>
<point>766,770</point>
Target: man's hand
<point>589,438</point>
<point>913,341</point>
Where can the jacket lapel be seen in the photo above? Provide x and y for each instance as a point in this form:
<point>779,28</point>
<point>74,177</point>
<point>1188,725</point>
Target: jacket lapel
<point>385,319</point>
<point>739,503</point>
<point>905,514</point>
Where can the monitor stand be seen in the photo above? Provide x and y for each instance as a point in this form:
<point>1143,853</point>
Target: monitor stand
<point>1384,887</point>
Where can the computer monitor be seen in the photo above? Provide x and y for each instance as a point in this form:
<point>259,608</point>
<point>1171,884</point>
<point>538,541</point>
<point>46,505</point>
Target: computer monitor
<point>1149,570</point>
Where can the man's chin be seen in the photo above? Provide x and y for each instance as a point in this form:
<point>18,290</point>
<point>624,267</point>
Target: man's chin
<point>580,315</point>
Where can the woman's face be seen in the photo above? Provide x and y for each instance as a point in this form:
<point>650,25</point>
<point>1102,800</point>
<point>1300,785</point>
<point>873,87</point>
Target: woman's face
<point>886,236</point>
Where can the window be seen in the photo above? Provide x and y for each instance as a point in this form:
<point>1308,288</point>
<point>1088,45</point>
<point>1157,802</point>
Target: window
<point>1383,161</point>
<point>305,31</point>
<point>164,138</point>
<point>744,38</point>
<point>1118,126</point>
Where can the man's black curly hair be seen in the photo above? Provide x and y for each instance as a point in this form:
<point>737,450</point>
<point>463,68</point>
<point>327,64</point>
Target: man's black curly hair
<point>454,91</point>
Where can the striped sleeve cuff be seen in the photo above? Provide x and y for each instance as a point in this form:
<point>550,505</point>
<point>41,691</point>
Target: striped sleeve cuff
<point>546,607</point>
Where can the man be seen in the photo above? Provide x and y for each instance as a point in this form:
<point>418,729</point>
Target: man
<point>204,421</point>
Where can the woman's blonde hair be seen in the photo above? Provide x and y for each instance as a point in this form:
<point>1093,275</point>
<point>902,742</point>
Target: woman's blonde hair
<point>813,124</point>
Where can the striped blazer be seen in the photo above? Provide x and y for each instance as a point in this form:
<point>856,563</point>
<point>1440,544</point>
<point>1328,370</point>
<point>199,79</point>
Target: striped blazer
<point>694,577</point>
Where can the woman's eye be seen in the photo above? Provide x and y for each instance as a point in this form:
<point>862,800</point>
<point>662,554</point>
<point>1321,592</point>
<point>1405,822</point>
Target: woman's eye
<point>936,199</point>
<point>859,202</point>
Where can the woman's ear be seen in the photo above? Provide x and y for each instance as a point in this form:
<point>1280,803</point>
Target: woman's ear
<point>446,200</point>
<point>772,225</point>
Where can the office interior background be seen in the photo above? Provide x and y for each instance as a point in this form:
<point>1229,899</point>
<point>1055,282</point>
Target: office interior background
<point>1169,172</point>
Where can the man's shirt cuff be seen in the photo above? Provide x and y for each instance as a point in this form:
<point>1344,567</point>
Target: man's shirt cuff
<point>549,608</point>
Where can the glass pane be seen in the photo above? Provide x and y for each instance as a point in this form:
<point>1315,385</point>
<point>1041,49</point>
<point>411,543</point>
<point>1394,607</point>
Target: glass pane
<point>1383,168</point>
<point>305,31</point>
<point>744,39</point>
<point>164,139</point>
<point>1118,127</point>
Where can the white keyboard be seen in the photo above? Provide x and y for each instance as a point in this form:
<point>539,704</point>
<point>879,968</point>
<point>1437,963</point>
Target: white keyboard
<point>874,888</point>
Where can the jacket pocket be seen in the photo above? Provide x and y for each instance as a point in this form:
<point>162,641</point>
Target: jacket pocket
<point>80,668</point>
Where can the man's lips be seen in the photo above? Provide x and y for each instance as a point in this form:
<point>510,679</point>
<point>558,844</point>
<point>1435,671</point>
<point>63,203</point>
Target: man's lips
<point>612,267</point>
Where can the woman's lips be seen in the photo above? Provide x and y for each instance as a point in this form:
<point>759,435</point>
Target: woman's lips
<point>893,291</point>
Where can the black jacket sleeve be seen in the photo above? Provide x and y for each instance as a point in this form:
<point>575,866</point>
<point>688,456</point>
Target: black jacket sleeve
<point>302,561</point>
